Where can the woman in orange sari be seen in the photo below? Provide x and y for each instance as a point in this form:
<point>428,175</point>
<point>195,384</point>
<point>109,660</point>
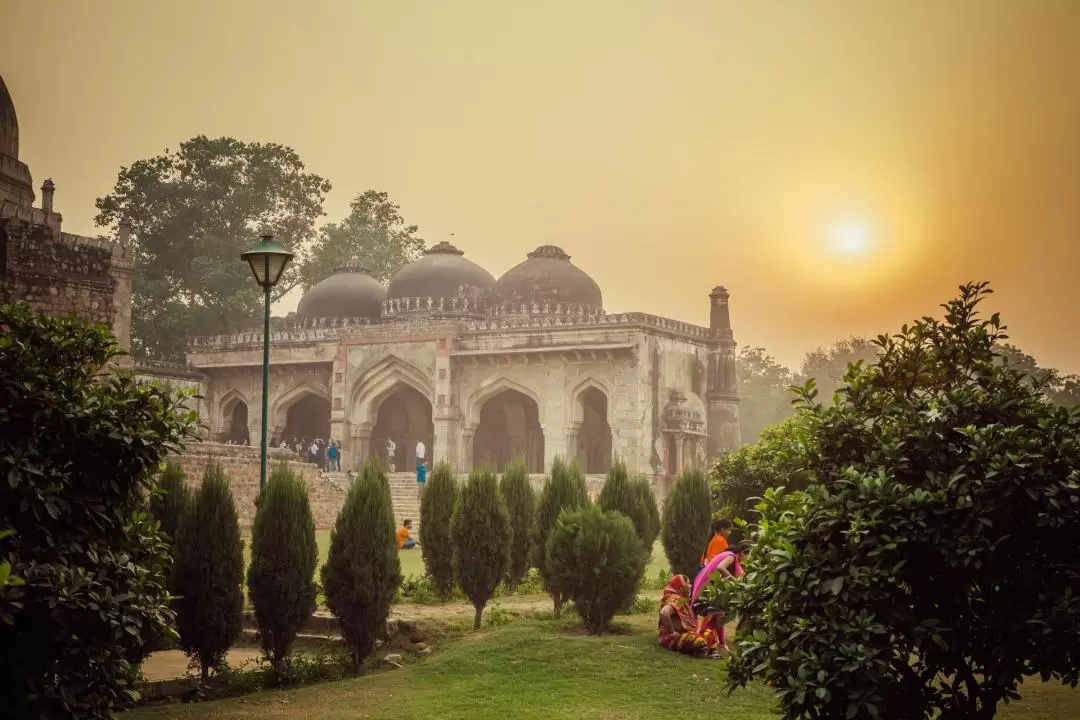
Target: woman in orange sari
<point>678,628</point>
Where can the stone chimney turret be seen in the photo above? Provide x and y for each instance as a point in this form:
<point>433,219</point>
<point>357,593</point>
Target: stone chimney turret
<point>47,189</point>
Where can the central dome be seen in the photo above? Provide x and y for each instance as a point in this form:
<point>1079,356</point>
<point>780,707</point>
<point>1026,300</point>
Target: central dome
<point>549,276</point>
<point>9,124</point>
<point>443,272</point>
<point>350,291</point>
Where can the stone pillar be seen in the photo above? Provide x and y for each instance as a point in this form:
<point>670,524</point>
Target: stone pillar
<point>47,190</point>
<point>339,429</point>
<point>553,419</point>
<point>122,271</point>
<point>445,414</point>
<point>721,398</point>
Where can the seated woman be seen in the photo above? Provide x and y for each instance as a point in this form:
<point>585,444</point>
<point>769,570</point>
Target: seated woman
<point>679,629</point>
<point>728,565</point>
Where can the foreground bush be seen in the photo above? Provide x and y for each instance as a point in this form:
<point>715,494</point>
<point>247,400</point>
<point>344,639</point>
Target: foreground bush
<point>564,489</point>
<point>481,536</point>
<point>596,559</point>
<point>281,577</point>
<point>78,452</point>
<point>363,571</point>
<point>436,511</point>
<point>209,572</point>
<point>168,502</point>
<point>648,526</point>
<point>520,499</point>
<point>687,515</point>
<point>937,559</point>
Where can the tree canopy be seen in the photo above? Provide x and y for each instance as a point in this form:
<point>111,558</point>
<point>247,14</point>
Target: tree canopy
<point>374,231</point>
<point>934,560</point>
<point>764,387</point>
<point>192,212</point>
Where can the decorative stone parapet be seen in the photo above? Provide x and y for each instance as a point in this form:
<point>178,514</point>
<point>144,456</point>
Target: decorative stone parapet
<point>537,309</point>
<point>459,306</point>
<point>532,322</point>
<point>287,331</point>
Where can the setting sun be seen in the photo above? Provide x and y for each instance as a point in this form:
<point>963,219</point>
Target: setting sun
<point>851,239</point>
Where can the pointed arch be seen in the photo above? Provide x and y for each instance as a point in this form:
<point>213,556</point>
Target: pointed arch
<point>279,408</point>
<point>489,390</point>
<point>576,404</point>
<point>379,381</point>
<point>225,406</point>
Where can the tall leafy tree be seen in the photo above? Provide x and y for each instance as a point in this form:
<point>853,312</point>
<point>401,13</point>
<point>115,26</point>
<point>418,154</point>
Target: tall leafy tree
<point>765,395</point>
<point>374,231</point>
<point>1059,389</point>
<point>192,212</point>
<point>934,561</point>
<point>827,367</point>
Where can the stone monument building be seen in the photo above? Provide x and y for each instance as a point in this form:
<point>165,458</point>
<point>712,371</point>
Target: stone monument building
<point>55,272</point>
<point>482,370</point>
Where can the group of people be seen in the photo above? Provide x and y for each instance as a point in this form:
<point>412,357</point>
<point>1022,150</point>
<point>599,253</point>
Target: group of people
<point>686,625</point>
<point>324,453</point>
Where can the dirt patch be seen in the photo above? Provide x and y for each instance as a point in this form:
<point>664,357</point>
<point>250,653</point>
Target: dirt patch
<point>173,664</point>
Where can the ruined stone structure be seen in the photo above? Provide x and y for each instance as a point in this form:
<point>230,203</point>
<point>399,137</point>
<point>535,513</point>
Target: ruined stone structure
<point>482,370</point>
<point>55,272</point>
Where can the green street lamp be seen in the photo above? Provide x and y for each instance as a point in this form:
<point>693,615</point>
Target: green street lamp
<point>267,261</point>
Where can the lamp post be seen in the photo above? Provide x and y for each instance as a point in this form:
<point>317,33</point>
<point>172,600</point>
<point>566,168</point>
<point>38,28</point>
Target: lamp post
<point>267,261</point>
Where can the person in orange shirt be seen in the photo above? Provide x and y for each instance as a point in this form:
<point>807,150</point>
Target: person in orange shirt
<point>718,543</point>
<point>404,538</point>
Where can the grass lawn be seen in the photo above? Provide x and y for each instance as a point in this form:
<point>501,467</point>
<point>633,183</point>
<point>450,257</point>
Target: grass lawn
<point>527,669</point>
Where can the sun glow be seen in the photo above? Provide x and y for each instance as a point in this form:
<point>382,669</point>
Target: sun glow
<point>851,239</point>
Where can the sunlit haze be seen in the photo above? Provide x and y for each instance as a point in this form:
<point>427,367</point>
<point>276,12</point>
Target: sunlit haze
<point>841,166</point>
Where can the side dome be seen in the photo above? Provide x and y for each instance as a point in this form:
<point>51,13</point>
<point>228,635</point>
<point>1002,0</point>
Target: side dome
<point>350,291</point>
<point>443,272</point>
<point>549,276</point>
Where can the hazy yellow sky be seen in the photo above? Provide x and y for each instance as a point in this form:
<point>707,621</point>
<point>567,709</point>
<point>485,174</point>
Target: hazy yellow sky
<point>667,146</point>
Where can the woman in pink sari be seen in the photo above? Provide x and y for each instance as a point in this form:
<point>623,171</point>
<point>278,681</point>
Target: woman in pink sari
<point>728,565</point>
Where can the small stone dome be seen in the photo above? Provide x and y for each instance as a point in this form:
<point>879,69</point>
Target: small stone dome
<point>442,272</point>
<point>549,276</point>
<point>350,291</point>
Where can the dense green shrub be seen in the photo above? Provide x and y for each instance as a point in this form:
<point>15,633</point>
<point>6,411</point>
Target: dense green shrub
<point>934,561</point>
<point>281,577</point>
<point>520,499</point>
<point>621,494</point>
<point>481,535</point>
<point>738,479</point>
<point>687,515</point>
<point>170,497</point>
<point>78,452</point>
<point>362,571</point>
<point>436,511</point>
<point>563,489</point>
<point>595,558</point>
<point>648,526</point>
<point>209,572</point>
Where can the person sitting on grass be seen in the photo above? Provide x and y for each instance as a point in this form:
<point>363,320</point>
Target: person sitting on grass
<point>718,541</point>
<point>404,538</point>
<point>678,628</point>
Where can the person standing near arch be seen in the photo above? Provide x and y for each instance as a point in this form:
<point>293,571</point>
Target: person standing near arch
<point>421,467</point>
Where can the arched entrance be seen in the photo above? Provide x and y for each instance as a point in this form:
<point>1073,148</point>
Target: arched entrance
<point>594,433</point>
<point>308,417</point>
<point>235,426</point>
<point>509,428</point>
<point>405,416</point>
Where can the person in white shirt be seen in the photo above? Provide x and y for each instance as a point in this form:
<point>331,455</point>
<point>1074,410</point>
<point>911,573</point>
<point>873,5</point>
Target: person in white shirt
<point>391,449</point>
<point>421,468</point>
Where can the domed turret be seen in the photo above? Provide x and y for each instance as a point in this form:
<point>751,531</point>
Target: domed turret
<point>441,274</point>
<point>350,291</point>
<point>548,276</point>
<point>16,184</point>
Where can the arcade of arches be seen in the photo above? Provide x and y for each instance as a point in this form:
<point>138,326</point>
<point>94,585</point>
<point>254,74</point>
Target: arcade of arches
<point>404,416</point>
<point>509,428</point>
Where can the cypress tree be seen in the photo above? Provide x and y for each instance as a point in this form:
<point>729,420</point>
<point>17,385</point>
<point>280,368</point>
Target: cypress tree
<point>167,504</point>
<point>436,513</point>
<point>646,500</point>
<point>564,488</point>
<point>481,534</point>
<point>363,571</point>
<point>520,499</point>
<point>618,495</point>
<point>209,572</point>
<point>687,515</point>
<point>281,578</point>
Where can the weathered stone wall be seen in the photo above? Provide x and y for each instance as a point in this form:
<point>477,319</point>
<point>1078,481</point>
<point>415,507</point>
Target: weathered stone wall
<point>61,274</point>
<point>241,466</point>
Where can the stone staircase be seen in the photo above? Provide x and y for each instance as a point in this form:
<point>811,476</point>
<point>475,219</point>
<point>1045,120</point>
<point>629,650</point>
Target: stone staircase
<point>402,495</point>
